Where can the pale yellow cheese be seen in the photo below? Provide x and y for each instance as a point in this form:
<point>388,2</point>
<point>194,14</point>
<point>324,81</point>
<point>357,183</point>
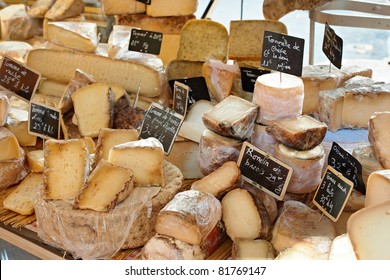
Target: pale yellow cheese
<point>161,8</point>
<point>50,87</point>
<point>9,146</point>
<point>40,7</point>
<point>12,171</point>
<point>36,160</point>
<point>378,188</point>
<point>379,135</point>
<point>312,248</point>
<point>65,9</point>
<point>180,69</point>
<point>5,107</point>
<point>341,249</point>
<point>169,47</point>
<point>257,249</point>
<point>46,21</point>
<point>17,123</point>
<point>15,49</point>
<point>119,7</point>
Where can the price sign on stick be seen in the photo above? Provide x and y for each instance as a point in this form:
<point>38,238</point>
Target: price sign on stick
<point>44,121</point>
<point>19,79</point>
<point>264,171</point>
<point>180,98</point>
<point>162,123</point>
<point>333,193</point>
<point>145,41</point>
<point>332,46</point>
<point>283,53</point>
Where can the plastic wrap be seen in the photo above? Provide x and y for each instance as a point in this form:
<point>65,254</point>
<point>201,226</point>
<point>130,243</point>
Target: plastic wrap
<point>5,107</point>
<point>14,49</point>
<point>262,140</point>
<point>13,171</point>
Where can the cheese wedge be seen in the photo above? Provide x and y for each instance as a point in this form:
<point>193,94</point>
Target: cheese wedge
<point>36,160</point>
<point>9,146</point>
<point>5,107</point>
<point>313,248</point>
<point>161,8</point>
<point>15,49</point>
<point>88,100</point>
<point>21,199</point>
<point>50,87</point>
<point>276,9</point>
<point>248,249</point>
<point>378,188</point>
<point>118,7</point>
<point>13,171</point>
<point>262,140</point>
<point>180,69</point>
<point>66,168</point>
<point>17,123</point>
<point>378,135</point>
<point>40,7</point>
<point>80,36</point>
<point>341,249</point>
<point>65,9</point>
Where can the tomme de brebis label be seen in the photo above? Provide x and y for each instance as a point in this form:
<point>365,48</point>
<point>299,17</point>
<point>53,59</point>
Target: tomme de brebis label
<point>349,166</point>
<point>44,121</point>
<point>332,46</point>
<point>249,77</point>
<point>197,89</point>
<point>332,193</point>
<point>264,171</point>
<point>180,98</point>
<point>19,79</point>
<point>145,41</point>
<point>161,123</point>
<point>283,53</point>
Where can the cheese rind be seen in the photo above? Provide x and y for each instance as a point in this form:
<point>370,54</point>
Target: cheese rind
<point>65,9</point>
<point>40,7</point>
<point>262,140</point>
<point>378,136</point>
<point>50,87</point>
<point>368,161</point>
<point>378,188</point>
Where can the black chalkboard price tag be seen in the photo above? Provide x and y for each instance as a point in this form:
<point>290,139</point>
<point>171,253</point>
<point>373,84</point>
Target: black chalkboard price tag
<point>147,2</point>
<point>283,53</point>
<point>19,79</point>
<point>161,123</point>
<point>145,41</point>
<point>264,171</point>
<point>249,77</point>
<point>346,164</point>
<point>44,121</point>
<point>197,89</point>
<point>332,46</point>
<point>333,193</point>
<point>180,98</point>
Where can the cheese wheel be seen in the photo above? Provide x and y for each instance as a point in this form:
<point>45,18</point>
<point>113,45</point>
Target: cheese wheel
<point>262,140</point>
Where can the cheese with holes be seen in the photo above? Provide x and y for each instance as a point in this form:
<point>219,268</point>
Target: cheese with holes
<point>192,127</point>
<point>50,87</point>
<point>35,160</point>
<point>368,231</point>
<point>262,140</point>
<point>66,168</point>
<point>17,123</point>
<point>256,249</point>
<point>107,186</point>
<point>246,38</point>
<point>21,199</point>
<point>361,103</point>
<point>378,136</point>
<point>65,9</point>
<point>301,133</point>
<point>296,223</point>
<point>60,65</point>
<point>215,150</point>
<point>9,145</point>
<point>118,7</point>
<point>145,157</point>
<point>307,167</point>
<point>190,216</point>
<point>378,188</point>
<point>109,137</point>
<point>369,162</point>
<point>194,35</point>
<point>90,99</point>
<point>180,69</point>
<point>244,215</point>
<point>12,171</point>
<point>5,107</point>
<point>220,181</point>
<point>232,117</point>
<point>278,96</point>
<point>40,7</point>
<point>80,36</point>
<point>341,249</point>
<point>161,8</point>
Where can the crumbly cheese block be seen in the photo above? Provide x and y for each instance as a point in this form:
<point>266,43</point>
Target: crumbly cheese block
<point>232,117</point>
<point>40,7</point>
<point>278,100</point>
<point>262,140</point>
<point>307,167</point>
<point>313,248</point>
<point>194,35</point>
<point>109,137</point>
<point>276,9</point>
<point>215,150</point>
<point>145,157</point>
<point>162,8</point>
<point>13,171</point>
<point>180,69</point>
<point>17,123</point>
<point>219,78</point>
<point>66,168</point>
<point>17,25</point>
<point>60,65</point>
<point>368,161</point>
<point>246,38</point>
<point>65,9</point>
<point>15,49</point>
<point>193,126</point>
<point>297,222</point>
<point>36,160</point>
<point>378,188</point>
<point>184,155</point>
<point>50,87</point>
<point>21,199</point>
<point>248,249</point>
<point>244,215</point>
<point>378,135</point>
<point>220,181</point>
<point>5,107</point>
<point>302,133</point>
<point>190,216</point>
<point>80,36</point>
<point>368,231</point>
<point>341,249</point>
<point>168,25</point>
<point>361,103</point>
<point>107,186</point>
<point>118,7</point>
<point>9,146</point>
<point>88,100</point>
